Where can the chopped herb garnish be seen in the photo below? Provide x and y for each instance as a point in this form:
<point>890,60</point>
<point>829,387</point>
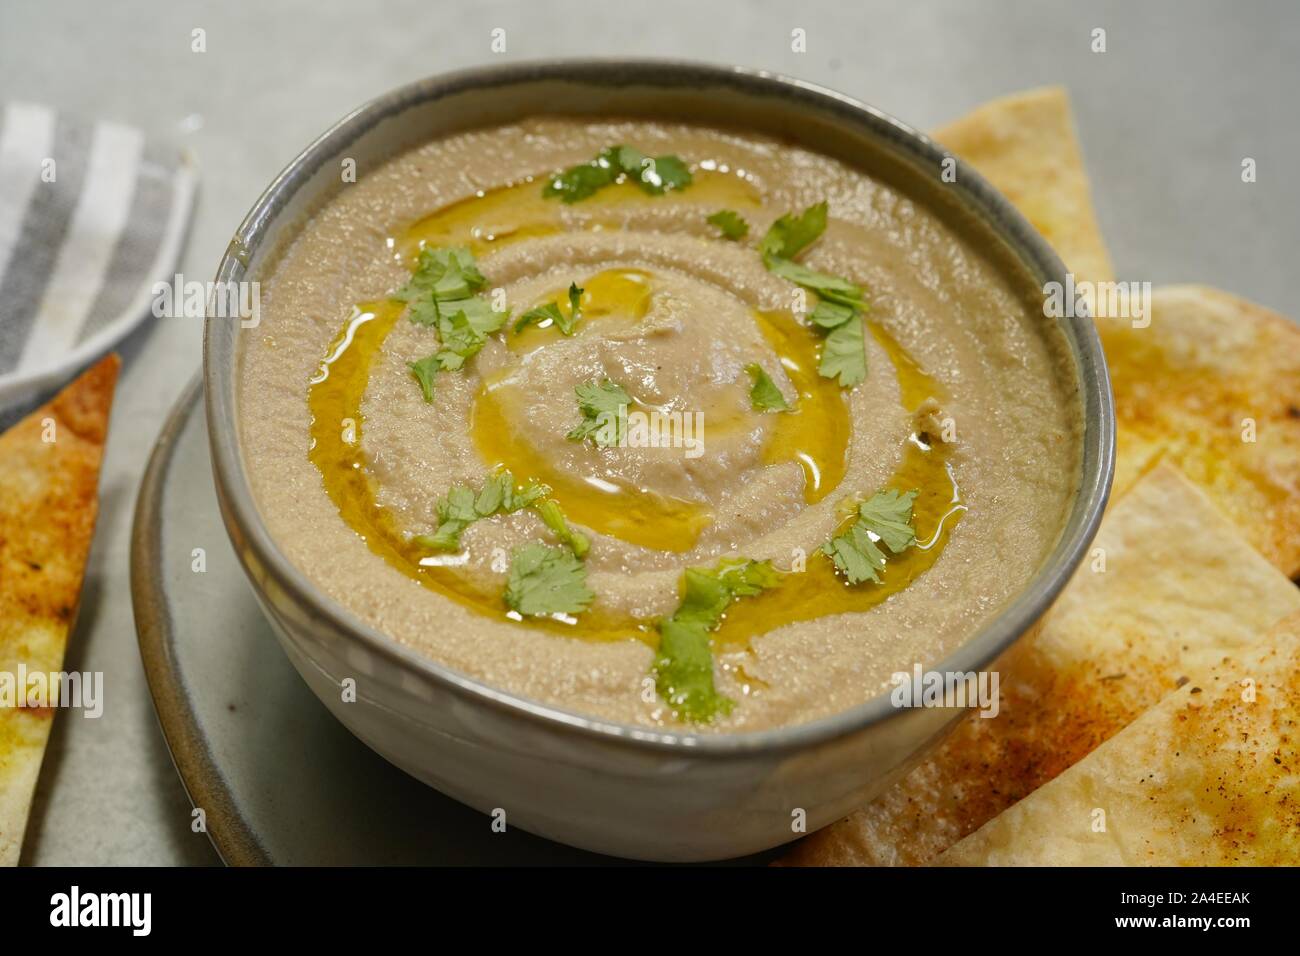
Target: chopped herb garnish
<point>662,174</point>
<point>843,355</point>
<point>462,507</point>
<point>654,175</point>
<point>442,295</point>
<point>764,396</point>
<point>544,581</point>
<point>684,663</point>
<point>840,302</point>
<point>604,413</point>
<point>575,307</point>
<point>499,495</point>
<point>856,555</point>
<point>550,513</point>
<point>552,313</point>
<point>424,372</point>
<point>888,515</point>
<point>826,286</point>
<point>730,224</point>
<point>885,518</point>
<point>582,181</point>
<point>828,315</point>
<point>462,337</point>
<point>463,333</point>
<point>442,274</point>
<point>791,234</point>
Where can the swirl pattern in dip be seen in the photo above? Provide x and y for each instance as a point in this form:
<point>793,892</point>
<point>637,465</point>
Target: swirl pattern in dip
<point>970,401</point>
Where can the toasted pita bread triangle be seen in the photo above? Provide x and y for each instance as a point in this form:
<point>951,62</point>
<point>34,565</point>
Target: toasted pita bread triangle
<point>1210,776</point>
<point>49,477</point>
<point>1025,145</point>
<point>1179,591</point>
<point>1188,386</point>
<point>1212,385</point>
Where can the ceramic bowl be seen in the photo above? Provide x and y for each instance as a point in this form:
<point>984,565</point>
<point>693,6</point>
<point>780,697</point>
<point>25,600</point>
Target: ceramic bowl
<point>625,790</point>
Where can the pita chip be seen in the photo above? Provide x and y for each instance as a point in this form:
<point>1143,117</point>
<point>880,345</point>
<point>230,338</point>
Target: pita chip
<point>1168,589</point>
<point>1210,776</point>
<point>1025,145</point>
<point>1212,385</point>
<point>49,477</point>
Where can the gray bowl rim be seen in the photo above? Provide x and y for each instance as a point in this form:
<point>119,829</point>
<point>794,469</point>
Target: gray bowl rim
<point>983,647</point>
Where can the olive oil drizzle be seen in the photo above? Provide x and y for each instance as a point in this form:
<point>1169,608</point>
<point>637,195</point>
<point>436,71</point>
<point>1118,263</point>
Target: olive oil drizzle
<point>637,515</point>
<point>815,435</point>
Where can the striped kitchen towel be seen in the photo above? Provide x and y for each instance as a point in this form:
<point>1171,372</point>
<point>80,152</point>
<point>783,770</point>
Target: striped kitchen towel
<point>91,216</point>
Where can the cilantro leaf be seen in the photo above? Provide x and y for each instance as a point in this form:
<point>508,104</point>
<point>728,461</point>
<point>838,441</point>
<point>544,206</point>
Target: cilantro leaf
<point>550,513</point>
<point>730,224</point>
<point>839,301</point>
<point>826,286</point>
<point>455,512</point>
<point>424,312</point>
<point>836,313</point>
<point>843,354</point>
<point>442,274</point>
<point>492,496</point>
<point>745,578</point>
<point>478,313</point>
<point>684,671</point>
<point>461,340</point>
<point>441,293</point>
<point>885,517</point>
<point>553,314</point>
<point>545,581</point>
<point>434,312</point>
<point>550,312</point>
<point>628,160</point>
<point>584,180</point>
<point>705,597</point>
<point>501,495</point>
<point>888,515</point>
<point>462,507</point>
<point>764,396</point>
<point>791,234</point>
<point>463,326</point>
<point>424,371</point>
<point>575,308</point>
<point>856,555</point>
<point>683,667</point>
<point>828,315</point>
<point>604,413</point>
<point>654,175</point>
<point>662,174</point>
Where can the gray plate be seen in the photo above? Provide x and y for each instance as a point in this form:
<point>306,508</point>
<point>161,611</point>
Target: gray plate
<point>280,781</point>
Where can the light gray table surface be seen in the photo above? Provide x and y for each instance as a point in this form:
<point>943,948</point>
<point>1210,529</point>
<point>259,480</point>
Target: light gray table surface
<point>1166,115</point>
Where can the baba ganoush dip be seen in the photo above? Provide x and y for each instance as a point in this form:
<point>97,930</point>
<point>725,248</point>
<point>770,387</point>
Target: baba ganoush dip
<point>671,425</point>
